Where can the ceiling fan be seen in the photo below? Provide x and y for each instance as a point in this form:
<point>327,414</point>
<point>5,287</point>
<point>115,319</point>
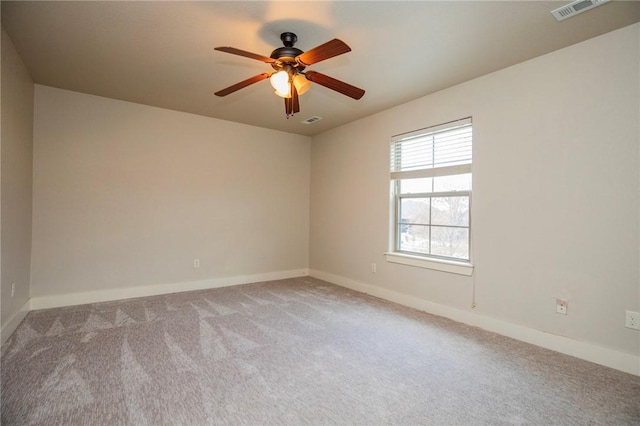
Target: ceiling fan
<point>289,78</point>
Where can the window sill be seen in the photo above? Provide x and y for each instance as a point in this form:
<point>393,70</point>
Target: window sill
<point>452,267</point>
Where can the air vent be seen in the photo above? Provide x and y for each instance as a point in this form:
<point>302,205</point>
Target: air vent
<point>576,7</point>
<point>311,120</point>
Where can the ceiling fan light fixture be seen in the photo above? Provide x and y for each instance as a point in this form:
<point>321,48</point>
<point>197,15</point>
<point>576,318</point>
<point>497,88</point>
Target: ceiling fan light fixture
<point>289,80</point>
<point>280,82</point>
<point>282,95</point>
<point>301,83</point>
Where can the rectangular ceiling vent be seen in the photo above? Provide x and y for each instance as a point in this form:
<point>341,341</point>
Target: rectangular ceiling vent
<point>576,7</point>
<point>311,120</point>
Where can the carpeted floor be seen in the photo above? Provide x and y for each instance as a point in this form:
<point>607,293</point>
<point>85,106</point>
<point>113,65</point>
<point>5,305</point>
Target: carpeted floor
<point>298,351</point>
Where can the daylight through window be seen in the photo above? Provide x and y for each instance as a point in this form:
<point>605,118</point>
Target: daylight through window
<point>431,191</point>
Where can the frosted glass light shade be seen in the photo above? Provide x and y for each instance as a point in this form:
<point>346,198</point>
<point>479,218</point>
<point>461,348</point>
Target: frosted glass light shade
<point>301,83</point>
<point>282,95</point>
<point>280,82</point>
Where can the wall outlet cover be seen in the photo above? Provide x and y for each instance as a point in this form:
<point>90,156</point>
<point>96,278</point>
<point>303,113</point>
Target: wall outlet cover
<point>561,306</point>
<point>632,320</point>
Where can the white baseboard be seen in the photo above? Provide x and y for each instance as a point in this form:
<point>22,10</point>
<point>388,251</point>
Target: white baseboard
<point>14,322</point>
<point>604,356</point>
<point>56,301</point>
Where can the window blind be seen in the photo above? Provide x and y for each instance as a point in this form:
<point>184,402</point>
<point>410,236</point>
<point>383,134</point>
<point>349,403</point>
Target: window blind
<point>435,151</point>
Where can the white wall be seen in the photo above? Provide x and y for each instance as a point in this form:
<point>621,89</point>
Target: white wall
<point>16,166</point>
<point>127,195</point>
<point>555,204</point>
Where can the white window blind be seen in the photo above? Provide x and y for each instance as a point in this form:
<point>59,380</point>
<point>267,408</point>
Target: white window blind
<point>436,151</point>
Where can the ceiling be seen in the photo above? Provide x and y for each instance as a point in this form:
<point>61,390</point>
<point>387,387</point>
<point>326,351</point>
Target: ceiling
<point>160,53</point>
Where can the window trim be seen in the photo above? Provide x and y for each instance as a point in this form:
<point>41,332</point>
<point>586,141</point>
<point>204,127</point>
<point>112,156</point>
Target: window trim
<point>427,261</point>
<point>444,265</point>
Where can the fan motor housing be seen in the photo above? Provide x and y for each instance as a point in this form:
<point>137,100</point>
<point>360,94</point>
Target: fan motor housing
<point>287,54</point>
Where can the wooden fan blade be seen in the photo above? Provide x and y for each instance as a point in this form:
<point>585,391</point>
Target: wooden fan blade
<point>328,50</point>
<point>242,84</point>
<point>292,104</point>
<point>288,106</point>
<point>246,54</point>
<point>294,99</point>
<point>333,84</point>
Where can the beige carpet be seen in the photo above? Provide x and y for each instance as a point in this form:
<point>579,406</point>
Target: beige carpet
<point>297,351</point>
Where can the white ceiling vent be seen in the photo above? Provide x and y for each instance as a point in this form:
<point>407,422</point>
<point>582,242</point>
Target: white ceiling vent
<point>575,7</point>
<point>311,120</point>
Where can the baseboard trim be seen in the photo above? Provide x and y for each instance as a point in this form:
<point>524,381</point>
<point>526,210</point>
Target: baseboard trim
<point>14,322</point>
<point>72,299</point>
<point>587,351</point>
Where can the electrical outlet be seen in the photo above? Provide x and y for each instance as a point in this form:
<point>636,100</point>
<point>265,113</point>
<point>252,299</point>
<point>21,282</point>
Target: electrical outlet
<point>632,320</point>
<point>196,263</point>
<point>561,306</point>
<point>374,267</point>
<point>13,289</point>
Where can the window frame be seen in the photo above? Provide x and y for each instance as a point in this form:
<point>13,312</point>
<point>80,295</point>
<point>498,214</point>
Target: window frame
<point>428,260</point>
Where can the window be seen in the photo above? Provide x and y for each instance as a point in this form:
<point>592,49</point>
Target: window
<point>431,192</point>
